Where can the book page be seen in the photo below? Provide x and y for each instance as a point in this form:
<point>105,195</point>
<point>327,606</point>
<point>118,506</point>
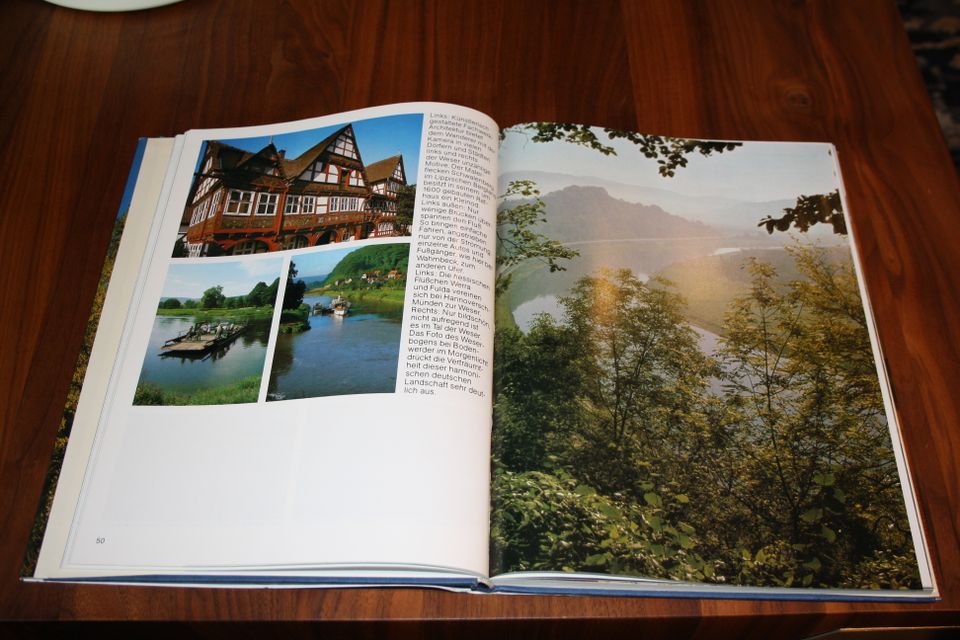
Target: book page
<point>688,382</point>
<point>303,378</point>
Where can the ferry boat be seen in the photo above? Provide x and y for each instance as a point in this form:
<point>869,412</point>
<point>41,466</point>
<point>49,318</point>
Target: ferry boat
<point>340,306</point>
<point>203,338</point>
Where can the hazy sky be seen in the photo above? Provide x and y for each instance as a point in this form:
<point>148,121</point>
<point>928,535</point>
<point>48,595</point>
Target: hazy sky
<point>377,138</point>
<point>236,278</point>
<point>757,171</point>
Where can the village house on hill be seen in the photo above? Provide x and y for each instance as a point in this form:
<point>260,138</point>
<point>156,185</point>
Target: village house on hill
<point>243,202</point>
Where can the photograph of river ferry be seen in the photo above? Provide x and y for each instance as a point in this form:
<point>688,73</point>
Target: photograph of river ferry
<point>684,383</point>
<point>209,339</point>
<point>346,338</point>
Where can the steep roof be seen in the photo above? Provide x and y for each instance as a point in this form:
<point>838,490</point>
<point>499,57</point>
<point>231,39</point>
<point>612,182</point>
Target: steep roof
<point>268,154</point>
<point>293,168</point>
<point>230,156</point>
<point>383,169</point>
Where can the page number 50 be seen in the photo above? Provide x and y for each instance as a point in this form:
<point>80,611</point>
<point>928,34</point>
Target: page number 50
<point>101,540</point>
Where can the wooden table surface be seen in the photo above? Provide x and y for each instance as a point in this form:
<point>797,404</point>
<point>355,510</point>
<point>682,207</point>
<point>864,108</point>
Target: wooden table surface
<point>77,90</point>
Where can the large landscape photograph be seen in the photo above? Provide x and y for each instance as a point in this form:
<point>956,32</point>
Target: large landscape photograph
<point>685,385</point>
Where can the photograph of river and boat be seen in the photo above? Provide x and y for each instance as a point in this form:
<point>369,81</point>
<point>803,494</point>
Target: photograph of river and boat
<point>346,337</point>
<point>684,381</point>
<point>209,339</point>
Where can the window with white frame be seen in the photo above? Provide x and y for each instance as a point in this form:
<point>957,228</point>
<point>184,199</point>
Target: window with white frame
<point>215,204</point>
<point>294,242</point>
<point>267,204</point>
<point>239,203</point>
<point>203,188</point>
<point>331,174</point>
<point>313,172</point>
<point>334,204</point>
<point>356,179</point>
<point>200,212</point>
<point>319,172</point>
<point>248,247</point>
<point>307,204</point>
<point>292,205</point>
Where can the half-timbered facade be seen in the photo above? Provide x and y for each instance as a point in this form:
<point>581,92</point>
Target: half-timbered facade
<point>385,177</point>
<point>243,202</point>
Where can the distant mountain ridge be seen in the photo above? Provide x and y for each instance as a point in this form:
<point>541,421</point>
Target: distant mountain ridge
<point>569,218</point>
<point>724,213</point>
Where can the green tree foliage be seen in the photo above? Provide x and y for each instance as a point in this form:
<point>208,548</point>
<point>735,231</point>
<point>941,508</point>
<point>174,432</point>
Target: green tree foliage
<point>612,454</point>
<point>596,399</point>
<point>813,467</point>
<point>646,375</point>
<point>171,303</point>
<point>382,257</point>
<point>212,298</point>
<point>551,522</point>
<point>517,238</point>
<point>810,210</point>
<point>538,386</point>
<point>260,295</point>
<point>670,153</point>
<point>293,292</point>
<point>406,197</point>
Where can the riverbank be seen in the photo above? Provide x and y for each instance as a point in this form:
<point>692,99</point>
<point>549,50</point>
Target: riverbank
<point>205,315</point>
<point>389,301</point>
<point>243,391</point>
<point>295,320</point>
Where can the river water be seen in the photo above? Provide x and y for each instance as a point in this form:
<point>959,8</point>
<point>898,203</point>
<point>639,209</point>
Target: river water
<point>242,358</point>
<point>337,356</point>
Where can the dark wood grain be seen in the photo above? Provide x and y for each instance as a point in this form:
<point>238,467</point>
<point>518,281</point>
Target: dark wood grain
<point>77,90</point>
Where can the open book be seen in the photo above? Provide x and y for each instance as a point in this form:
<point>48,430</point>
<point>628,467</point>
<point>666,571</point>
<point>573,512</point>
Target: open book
<point>400,346</point>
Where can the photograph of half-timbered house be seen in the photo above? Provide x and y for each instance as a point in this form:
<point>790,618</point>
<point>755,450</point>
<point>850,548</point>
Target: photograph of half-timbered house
<point>291,191</point>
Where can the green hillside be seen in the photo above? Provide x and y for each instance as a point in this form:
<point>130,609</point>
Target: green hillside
<point>383,257</point>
